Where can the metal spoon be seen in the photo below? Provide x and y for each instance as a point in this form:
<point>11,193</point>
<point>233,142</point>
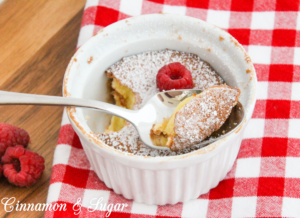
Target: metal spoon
<point>158,107</point>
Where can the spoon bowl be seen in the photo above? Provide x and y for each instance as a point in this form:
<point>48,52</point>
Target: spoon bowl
<point>163,104</point>
<point>158,107</point>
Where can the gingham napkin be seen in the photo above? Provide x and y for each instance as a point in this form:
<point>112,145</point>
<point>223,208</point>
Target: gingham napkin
<point>265,179</point>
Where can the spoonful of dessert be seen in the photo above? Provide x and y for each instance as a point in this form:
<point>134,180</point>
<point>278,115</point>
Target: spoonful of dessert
<point>173,119</point>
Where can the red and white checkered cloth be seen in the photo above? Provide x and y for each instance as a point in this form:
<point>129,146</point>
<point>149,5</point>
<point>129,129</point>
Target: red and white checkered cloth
<point>265,179</point>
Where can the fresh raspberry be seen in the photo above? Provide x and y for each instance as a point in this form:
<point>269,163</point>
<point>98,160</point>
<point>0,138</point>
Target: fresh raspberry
<point>174,76</point>
<point>11,135</point>
<point>1,170</point>
<point>22,167</point>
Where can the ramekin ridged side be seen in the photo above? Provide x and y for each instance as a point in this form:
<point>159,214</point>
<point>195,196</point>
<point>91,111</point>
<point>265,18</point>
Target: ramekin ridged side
<point>163,186</point>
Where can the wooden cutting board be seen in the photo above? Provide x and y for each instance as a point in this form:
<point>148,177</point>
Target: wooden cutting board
<point>37,40</point>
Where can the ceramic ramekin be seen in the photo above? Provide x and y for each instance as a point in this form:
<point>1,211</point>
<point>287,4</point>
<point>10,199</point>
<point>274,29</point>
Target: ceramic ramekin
<point>157,180</point>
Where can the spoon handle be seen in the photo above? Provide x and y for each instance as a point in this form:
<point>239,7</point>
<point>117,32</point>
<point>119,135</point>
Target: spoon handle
<point>14,98</point>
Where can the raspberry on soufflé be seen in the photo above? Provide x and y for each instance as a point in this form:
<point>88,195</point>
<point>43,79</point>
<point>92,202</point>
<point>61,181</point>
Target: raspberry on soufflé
<point>11,135</point>
<point>22,167</point>
<point>174,76</point>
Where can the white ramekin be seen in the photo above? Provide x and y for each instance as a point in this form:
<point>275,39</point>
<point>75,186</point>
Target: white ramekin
<point>157,180</point>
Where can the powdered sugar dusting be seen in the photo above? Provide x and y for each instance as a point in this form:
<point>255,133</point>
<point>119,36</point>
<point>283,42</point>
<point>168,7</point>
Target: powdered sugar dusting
<point>138,72</point>
<point>203,115</point>
<point>127,140</point>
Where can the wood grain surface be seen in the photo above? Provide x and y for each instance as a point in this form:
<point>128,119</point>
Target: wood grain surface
<point>37,40</point>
